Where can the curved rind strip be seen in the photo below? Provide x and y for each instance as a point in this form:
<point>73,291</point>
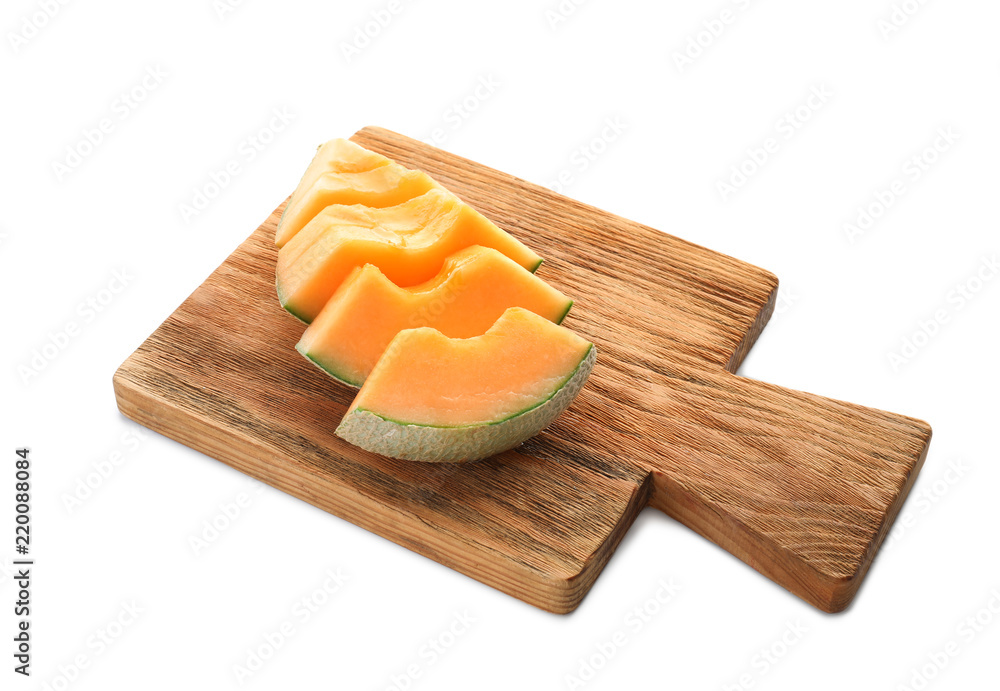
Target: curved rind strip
<point>373,433</point>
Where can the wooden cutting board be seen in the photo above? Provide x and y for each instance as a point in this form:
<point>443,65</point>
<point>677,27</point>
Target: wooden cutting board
<point>801,488</point>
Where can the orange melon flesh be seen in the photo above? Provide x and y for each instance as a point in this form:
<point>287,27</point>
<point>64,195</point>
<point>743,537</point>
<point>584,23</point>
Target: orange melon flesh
<point>473,289</point>
<point>344,173</point>
<point>408,242</point>
<point>426,378</point>
<point>432,398</point>
<point>337,156</point>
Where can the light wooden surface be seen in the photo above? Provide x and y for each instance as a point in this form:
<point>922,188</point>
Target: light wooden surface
<point>800,487</point>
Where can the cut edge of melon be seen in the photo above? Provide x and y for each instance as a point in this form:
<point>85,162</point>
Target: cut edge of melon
<point>290,310</point>
<point>438,444</point>
<point>565,314</point>
<point>317,168</point>
<point>330,372</point>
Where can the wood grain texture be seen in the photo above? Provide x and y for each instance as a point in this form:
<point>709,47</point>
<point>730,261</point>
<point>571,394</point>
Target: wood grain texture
<point>801,488</point>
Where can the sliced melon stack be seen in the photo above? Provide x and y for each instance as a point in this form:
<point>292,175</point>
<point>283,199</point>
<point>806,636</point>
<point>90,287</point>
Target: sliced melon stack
<point>409,243</point>
<point>473,289</point>
<point>344,173</point>
<point>429,307</point>
<point>434,398</point>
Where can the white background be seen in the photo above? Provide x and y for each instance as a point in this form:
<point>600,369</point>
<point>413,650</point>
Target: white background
<point>845,307</point>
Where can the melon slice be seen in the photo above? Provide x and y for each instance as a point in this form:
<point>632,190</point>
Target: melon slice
<point>434,398</point>
<point>474,288</point>
<point>337,156</point>
<point>408,242</point>
<point>344,173</point>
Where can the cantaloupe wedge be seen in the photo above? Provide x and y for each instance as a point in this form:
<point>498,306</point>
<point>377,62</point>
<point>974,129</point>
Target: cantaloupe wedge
<point>434,398</point>
<point>408,242</point>
<point>337,156</point>
<point>344,173</point>
<point>473,289</point>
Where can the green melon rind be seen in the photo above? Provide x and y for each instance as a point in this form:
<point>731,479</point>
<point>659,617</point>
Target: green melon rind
<point>565,314</point>
<point>327,368</point>
<point>374,433</point>
<point>296,315</point>
<point>281,300</point>
<point>277,230</point>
